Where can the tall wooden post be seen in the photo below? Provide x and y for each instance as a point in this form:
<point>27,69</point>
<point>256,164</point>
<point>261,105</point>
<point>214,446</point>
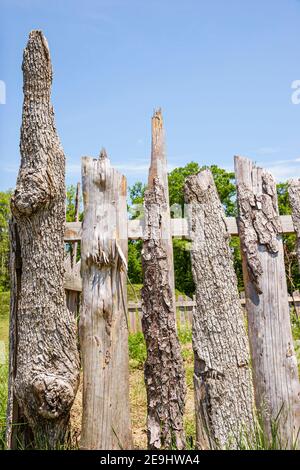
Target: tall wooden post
<point>222,377</point>
<point>276,382</point>
<point>294,198</point>
<point>45,368</point>
<point>103,321</point>
<point>164,372</point>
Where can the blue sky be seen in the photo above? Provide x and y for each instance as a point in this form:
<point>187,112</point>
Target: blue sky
<point>221,71</point>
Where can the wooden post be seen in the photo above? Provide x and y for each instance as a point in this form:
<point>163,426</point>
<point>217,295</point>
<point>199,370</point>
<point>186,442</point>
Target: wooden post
<point>103,321</point>
<point>72,267</point>
<point>222,376</point>
<point>164,372</point>
<point>76,219</point>
<point>294,198</point>
<point>46,363</point>
<point>275,374</point>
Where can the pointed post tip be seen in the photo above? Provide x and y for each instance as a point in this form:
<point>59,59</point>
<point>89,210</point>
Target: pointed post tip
<point>157,119</point>
<point>103,154</point>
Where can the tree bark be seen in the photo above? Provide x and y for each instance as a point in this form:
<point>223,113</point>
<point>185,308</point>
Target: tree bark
<point>294,198</point>
<point>275,374</point>
<point>47,365</point>
<point>222,376</point>
<point>103,320</point>
<point>164,372</point>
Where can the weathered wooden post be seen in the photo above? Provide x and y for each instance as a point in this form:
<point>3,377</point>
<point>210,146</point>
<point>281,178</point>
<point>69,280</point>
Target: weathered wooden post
<point>294,198</point>
<point>72,267</point>
<point>44,363</point>
<point>276,383</point>
<point>164,372</point>
<point>222,376</point>
<point>103,320</point>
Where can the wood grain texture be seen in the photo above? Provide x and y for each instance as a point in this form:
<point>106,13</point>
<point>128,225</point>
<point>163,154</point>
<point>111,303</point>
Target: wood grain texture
<point>275,373</point>
<point>103,319</point>
<point>179,228</point>
<point>294,198</point>
<point>164,372</point>
<point>222,376</point>
<point>47,362</point>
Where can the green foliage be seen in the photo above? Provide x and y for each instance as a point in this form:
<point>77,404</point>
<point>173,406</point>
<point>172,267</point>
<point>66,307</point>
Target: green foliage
<point>70,203</point>
<point>182,267</point>
<point>185,334</point>
<point>137,350</point>
<point>136,193</point>
<point>226,188</point>
<point>177,179</point>
<point>135,273</point>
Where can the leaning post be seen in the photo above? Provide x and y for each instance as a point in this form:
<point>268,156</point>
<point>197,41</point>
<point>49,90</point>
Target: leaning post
<point>275,374</point>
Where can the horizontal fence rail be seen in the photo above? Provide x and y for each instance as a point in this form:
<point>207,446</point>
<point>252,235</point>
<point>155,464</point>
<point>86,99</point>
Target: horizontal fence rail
<point>179,228</point>
<point>185,311</point>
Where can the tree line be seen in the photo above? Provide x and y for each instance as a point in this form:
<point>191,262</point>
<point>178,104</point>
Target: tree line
<point>225,183</point>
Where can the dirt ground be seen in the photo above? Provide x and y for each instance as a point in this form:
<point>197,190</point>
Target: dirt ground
<point>139,406</point>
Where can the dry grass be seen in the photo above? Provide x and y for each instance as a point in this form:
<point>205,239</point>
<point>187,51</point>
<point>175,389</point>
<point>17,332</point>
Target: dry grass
<point>138,403</point>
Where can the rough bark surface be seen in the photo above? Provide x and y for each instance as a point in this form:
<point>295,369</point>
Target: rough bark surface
<point>294,198</point>
<point>103,320</point>
<point>275,373</point>
<point>164,372</point>
<point>222,377</point>
<point>46,358</point>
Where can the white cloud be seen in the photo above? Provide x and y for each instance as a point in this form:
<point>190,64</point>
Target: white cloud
<point>282,170</point>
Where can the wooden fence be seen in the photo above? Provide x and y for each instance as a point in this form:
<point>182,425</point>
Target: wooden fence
<point>44,363</point>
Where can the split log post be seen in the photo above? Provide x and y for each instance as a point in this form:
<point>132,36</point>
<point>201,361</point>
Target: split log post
<point>46,363</point>
<point>103,322</point>
<point>275,375</point>
<point>164,372</point>
<point>224,399</point>
<point>294,198</point>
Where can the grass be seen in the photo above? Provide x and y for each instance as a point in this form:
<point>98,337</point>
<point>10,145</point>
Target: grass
<point>137,355</point>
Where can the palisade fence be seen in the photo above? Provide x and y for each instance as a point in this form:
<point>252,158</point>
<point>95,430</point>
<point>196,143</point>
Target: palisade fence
<point>237,375</point>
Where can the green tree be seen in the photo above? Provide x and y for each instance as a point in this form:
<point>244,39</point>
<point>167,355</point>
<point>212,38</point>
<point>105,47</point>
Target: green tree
<point>289,241</point>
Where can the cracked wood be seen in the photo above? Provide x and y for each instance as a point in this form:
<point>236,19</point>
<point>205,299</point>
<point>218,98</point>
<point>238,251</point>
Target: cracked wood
<point>103,317</point>
<point>275,373</point>
<point>222,376</point>
<point>46,370</point>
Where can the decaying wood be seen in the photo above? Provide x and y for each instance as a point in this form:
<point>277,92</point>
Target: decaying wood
<point>294,198</point>
<point>46,358</point>
<point>164,372</point>
<point>222,376</point>
<point>14,434</point>
<point>275,374</point>
<point>103,319</point>
<point>179,228</point>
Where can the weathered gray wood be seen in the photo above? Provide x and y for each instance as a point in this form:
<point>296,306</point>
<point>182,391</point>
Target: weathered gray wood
<point>77,204</point>
<point>274,362</point>
<point>179,228</point>
<point>46,356</point>
<point>73,284</point>
<point>294,197</point>
<point>222,376</point>
<point>164,372</point>
<point>103,320</point>
<point>14,435</point>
